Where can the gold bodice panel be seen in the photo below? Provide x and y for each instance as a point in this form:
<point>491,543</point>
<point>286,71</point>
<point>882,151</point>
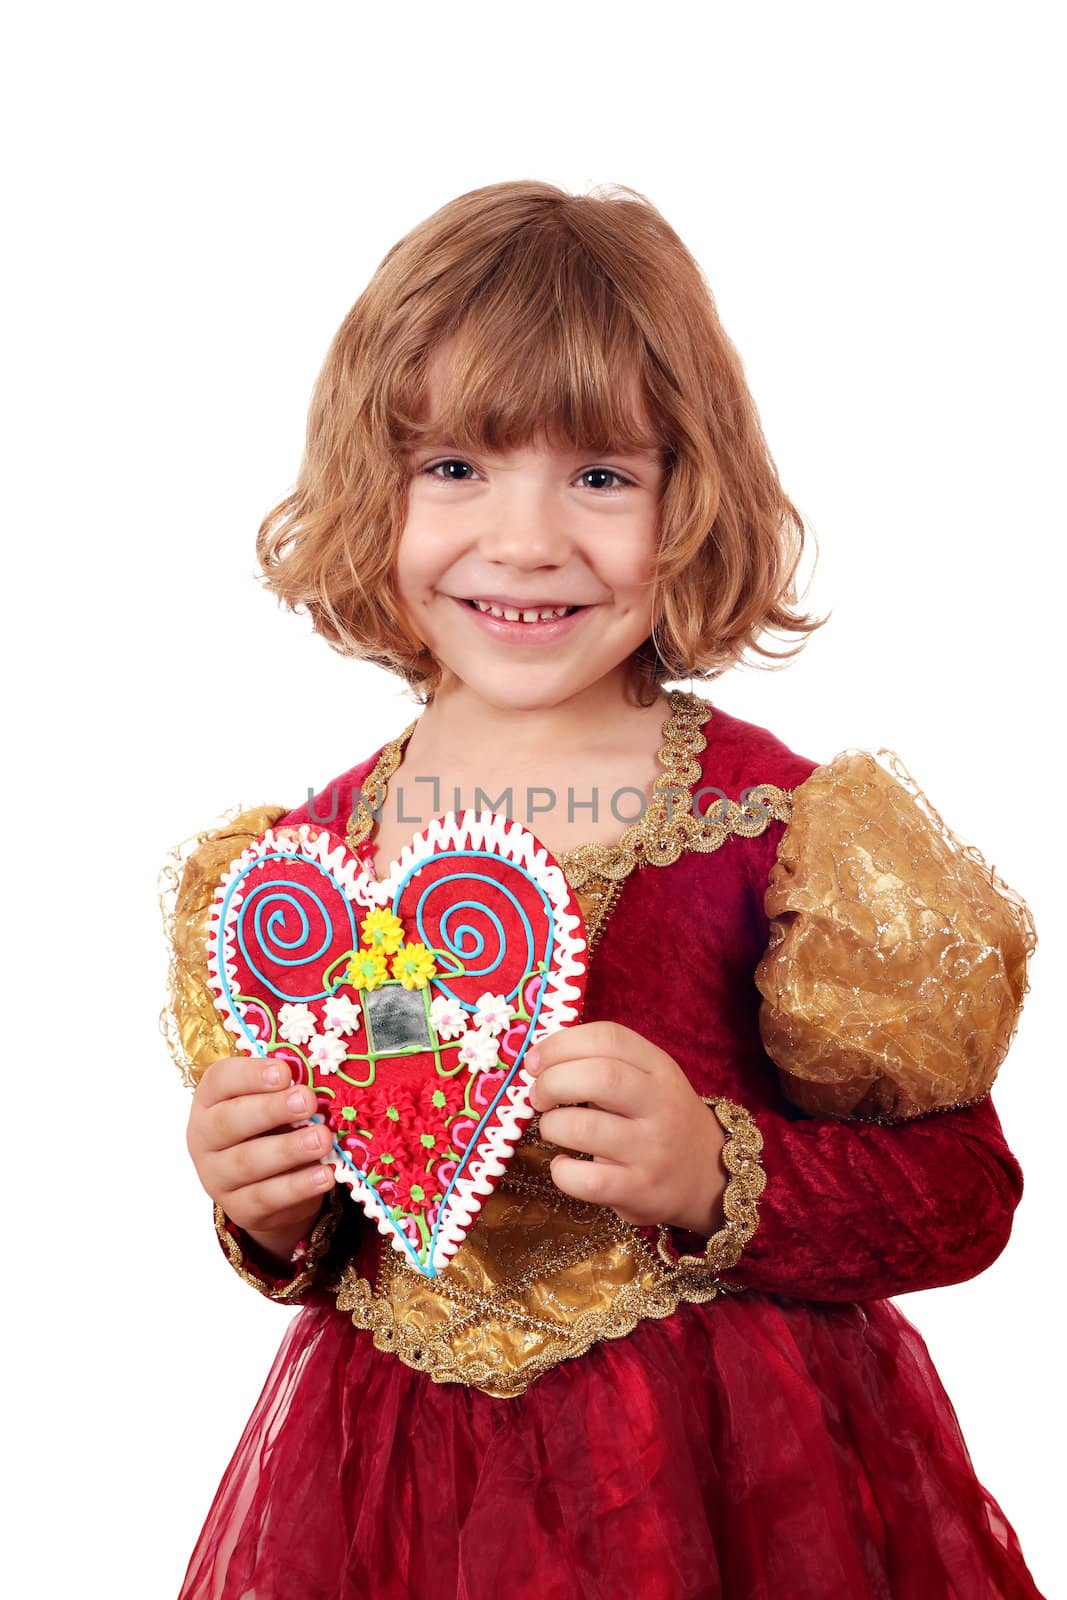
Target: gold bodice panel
<point>539,1278</point>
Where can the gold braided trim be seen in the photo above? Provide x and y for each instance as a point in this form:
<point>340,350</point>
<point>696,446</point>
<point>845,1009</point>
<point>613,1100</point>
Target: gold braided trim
<point>319,1242</point>
<point>741,1158</point>
<point>370,796</point>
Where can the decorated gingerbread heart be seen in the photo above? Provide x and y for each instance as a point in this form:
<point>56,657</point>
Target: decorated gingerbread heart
<point>407,1003</point>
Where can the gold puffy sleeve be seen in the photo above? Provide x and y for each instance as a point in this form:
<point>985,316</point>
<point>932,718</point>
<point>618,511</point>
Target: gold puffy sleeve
<point>189,1021</point>
<point>896,966</point>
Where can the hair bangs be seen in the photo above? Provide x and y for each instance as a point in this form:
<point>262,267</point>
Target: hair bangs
<point>544,351</point>
<point>497,399</point>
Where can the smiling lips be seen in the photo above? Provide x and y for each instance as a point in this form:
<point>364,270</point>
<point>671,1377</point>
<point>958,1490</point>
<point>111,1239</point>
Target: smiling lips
<point>508,622</point>
<point>528,611</point>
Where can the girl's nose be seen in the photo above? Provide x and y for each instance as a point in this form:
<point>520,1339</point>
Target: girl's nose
<point>524,531</point>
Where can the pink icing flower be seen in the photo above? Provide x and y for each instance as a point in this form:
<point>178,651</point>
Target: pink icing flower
<point>326,1052</point>
<point>296,1024</point>
<point>479,1051</point>
<point>447,1017</point>
<point>492,1012</point>
<point>341,1014</point>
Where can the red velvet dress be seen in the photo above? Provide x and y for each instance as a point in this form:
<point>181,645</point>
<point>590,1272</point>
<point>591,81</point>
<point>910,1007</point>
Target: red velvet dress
<point>789,1439</point>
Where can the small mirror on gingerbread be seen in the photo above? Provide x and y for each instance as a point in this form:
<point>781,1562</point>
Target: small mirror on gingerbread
<point>408,1003</point>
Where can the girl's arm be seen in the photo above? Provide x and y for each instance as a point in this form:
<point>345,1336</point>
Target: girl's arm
<point>891,984</point>
<point>852,1210</point>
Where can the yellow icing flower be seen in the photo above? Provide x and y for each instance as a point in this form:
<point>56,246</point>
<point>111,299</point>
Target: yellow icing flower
<point>414,965</point>
<point>382,930</point>
<point>366,969</point>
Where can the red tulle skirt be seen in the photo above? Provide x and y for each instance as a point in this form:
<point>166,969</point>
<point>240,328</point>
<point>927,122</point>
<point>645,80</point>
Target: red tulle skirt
<point>751,1447</point>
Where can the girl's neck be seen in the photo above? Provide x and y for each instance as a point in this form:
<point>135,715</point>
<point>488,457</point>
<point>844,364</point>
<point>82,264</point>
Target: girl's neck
<point>458,718</point>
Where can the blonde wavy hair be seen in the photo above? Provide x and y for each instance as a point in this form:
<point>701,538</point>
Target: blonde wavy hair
<point>557,310</point>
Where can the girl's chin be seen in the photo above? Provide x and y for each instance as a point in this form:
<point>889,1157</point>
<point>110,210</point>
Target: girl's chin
<point>522,690</point>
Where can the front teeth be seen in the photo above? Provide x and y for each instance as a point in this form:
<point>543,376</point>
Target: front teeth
<point>524,616</point>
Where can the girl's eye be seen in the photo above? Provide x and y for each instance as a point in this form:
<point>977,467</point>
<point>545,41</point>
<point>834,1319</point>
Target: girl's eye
<point>434,468</point>
<point>607,472</point>
<point>453,461</point>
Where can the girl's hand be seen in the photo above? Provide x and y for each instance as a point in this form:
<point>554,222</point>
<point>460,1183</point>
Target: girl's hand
<point>603,1089</point>
<point>267,1176</point>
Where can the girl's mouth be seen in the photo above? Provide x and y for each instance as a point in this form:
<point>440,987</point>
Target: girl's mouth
<point>520,632</point>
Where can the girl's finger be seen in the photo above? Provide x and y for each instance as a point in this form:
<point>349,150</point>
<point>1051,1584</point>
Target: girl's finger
<point>259,1159</point>
<point>232,1122</point>
<point>592,1181</point>
<point>592,1040</point>
<point>590,1130</point>
<point>605,1082</point>
<point>261,1203</point>
<point>240,1075</point>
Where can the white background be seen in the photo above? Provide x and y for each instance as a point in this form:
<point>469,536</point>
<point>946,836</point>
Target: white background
<point>196,195</point>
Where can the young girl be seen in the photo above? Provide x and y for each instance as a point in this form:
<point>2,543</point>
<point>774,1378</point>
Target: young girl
<point>664,1362</point>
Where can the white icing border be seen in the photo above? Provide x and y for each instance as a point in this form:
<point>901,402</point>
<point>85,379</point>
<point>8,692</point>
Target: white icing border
<point>564,988</point>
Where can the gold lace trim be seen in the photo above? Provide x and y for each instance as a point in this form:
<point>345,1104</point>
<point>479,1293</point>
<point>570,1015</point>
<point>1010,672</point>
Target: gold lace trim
<point>318,1244</point>
<point>741,1158</point>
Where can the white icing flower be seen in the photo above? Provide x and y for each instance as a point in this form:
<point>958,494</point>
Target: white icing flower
<point>479,1051</point>
<point>326,1052</point>
<point>447,1017</point>
<point>296,1025</point>
<point>493,1012</point>
<point>341,1014</point>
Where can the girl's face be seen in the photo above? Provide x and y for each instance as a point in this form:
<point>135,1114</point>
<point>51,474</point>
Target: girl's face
<point>534,528</point>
